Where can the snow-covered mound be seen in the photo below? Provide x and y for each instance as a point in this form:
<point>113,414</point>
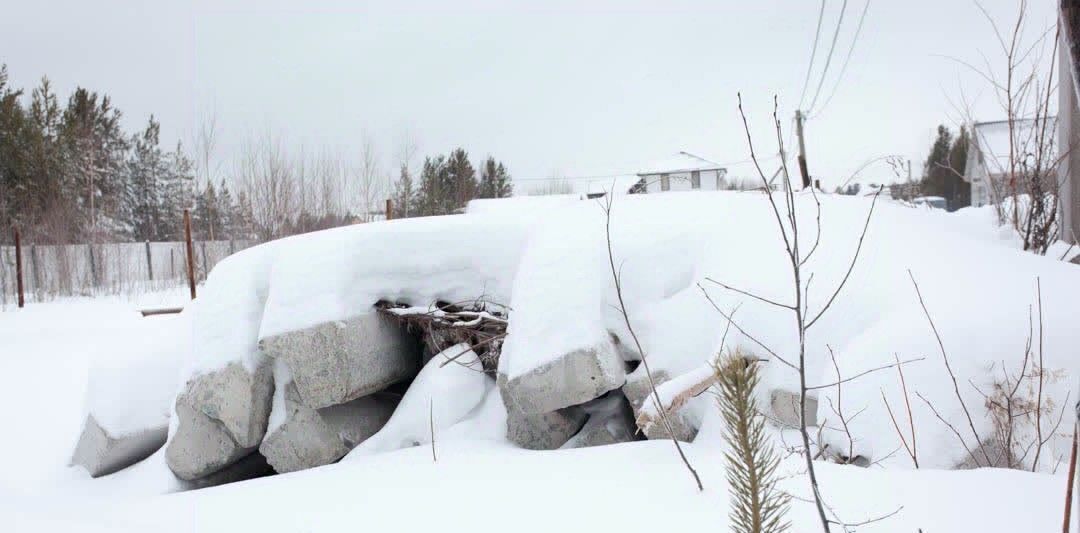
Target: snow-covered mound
<point>552,263</point>
<point>664,246</point>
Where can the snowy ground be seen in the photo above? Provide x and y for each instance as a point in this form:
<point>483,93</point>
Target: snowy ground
<point>481,482</point>
<point>479,485</point>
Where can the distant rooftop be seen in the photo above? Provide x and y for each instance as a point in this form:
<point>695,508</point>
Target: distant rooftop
<point>680,162</point>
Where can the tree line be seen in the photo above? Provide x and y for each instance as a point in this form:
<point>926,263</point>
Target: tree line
<point>447,183</point>
<point>70,174</point>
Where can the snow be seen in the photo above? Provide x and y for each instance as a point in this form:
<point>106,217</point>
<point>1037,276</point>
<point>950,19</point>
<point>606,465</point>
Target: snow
<point>564,295</point>
<point>47,355</point>
<point>336,274</point>
<point>132,390</point>
<point>438,398</point>
<point>510,205</point>
<point>227,314</point>
<point>278,410</point>
<point>520,490</point>
<point>340,273</point>
<point>676,163</point>
<point>668,392</point>
<point>549,263</point>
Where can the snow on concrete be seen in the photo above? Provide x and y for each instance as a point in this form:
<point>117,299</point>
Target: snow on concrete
<point>550,265</point>
<point>438,398</point>
<point>133,389</point>
<point>340,273</point>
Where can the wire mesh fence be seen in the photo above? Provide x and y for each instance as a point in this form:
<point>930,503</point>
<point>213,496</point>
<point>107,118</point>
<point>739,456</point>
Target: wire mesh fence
<point>55,271</point>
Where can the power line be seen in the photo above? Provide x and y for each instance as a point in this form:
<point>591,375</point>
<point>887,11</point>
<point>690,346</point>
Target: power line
<point>813,53</point>
<point>828,59</point>
<point>843,69</point>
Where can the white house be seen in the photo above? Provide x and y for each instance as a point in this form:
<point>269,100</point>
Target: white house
<point>682,172</point>
<point>993,143</point>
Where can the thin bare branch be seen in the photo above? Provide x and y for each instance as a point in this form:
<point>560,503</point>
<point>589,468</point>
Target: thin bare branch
<point>753,339</point>
<point>948,367</point>
<point>861,374</point>
<point>750,294</point>
<point>851,265</point>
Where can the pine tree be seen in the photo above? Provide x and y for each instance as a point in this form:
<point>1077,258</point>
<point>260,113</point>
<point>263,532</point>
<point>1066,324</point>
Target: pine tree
<point>958,165</point>
<point>242,218</point>
<point>45,197</point>
<point>460,182</point>
<point>13,151</point>
<point>146,176</point>
<point>226,208</point>
<point>936,170</point>
<point>95,149</point>
<point>178,185</point>
<point>494,180</point>
<point>404,194</point>
<point>206,215</point>
<point>757,506</point>
<point>433,183</point>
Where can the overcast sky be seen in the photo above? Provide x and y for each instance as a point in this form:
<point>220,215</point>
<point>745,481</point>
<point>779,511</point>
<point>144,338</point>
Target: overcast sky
<point>570,88</point>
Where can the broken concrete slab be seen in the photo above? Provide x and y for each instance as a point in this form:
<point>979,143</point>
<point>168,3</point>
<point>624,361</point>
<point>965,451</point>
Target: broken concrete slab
<point>611,421</point>
<point>335,362</point>
<point>638,391</point>
<point>314,437</point>
<point>221,417</point>
<point>785,408</point>
<point>251,466</point>
<point>101,452</point>
<point>543,431</point>
<point>570,379</point>
<point>201,446</point>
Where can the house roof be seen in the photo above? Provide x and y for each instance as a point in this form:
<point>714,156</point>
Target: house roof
<point>680,162</point>
<point>993,142</point>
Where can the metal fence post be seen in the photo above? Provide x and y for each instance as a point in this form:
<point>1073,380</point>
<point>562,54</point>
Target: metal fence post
<point>149,262</point>
<point>18,268</point>
<point>93,266</point>
<point>35,272</point>
<point>190,252</point>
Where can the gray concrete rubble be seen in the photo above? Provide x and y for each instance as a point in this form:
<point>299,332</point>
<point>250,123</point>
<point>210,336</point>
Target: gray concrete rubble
<point>785,408</point>
<point>570,379</point>
<point>335,362</point>
<point>543,431</point>
<point>314,437</point>
<point>638,391</point>
<point>101,452</point>
<point>611,421</point>
<point>221,417</point>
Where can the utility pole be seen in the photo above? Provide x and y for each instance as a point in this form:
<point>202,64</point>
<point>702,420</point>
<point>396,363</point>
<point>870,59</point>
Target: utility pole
<point>802,149</point>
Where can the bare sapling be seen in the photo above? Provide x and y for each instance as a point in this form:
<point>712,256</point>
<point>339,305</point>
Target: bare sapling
<point>1015,404</point>
<point>787,222</point>
<point>1023,185</point>
<point>910,447</point>
<point>607,205</point>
